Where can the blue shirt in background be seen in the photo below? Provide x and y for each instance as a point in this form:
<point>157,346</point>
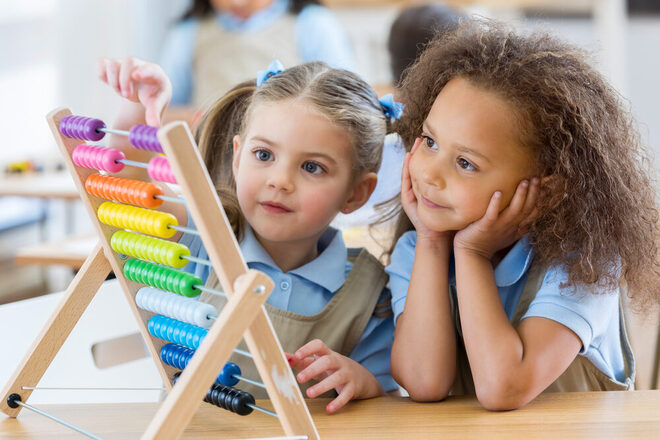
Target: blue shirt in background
<point>594,318</point>
<point>306,290</point>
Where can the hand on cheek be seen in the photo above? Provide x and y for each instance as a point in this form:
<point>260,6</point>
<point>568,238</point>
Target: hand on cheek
<point>496,230</point>
<point>409,204</point>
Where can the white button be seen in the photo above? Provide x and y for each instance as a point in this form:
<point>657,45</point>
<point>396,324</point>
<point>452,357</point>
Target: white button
<point>284,285</point>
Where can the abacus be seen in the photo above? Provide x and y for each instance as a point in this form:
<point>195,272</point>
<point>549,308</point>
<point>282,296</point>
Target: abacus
<point>137,243</point>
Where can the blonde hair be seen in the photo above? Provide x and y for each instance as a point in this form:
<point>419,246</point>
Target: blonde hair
<point>342,96</point>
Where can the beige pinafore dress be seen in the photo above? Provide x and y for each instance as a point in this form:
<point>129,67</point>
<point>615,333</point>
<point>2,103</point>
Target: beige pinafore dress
<point>339,325</point>
<point>223,59</point>
<point>581,374</point>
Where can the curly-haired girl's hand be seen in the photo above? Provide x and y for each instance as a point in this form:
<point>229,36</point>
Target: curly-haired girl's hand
<point>409,203</point>
<point>138,81</point>
<point>333,371</point>
<point>496,230</point>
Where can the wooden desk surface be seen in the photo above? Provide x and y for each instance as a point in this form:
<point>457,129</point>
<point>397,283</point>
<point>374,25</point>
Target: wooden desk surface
<point>48,185</point>
<point>71,251</point>
<point>615,415</point>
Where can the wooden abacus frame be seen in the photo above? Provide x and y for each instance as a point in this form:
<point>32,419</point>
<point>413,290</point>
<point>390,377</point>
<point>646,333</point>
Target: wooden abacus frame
<point>243,315</point>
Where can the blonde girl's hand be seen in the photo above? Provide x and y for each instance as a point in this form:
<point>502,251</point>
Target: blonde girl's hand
<point>496,230</point>
<point>333,371</point>
<point>138,81</point>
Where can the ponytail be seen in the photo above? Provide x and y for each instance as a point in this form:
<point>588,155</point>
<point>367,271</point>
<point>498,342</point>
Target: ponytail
<point>215,137</point>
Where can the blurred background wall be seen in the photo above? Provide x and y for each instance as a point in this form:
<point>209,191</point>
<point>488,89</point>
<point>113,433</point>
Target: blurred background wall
<point>50,48</point>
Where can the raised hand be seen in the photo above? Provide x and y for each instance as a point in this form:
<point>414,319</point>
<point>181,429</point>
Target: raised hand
<point>138,81</point>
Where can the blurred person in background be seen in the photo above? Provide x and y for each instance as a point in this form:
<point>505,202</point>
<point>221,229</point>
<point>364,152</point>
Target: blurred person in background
<point>218,43</point>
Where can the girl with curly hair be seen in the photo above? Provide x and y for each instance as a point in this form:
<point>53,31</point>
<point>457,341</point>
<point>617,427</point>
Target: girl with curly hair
<point>527,210</point>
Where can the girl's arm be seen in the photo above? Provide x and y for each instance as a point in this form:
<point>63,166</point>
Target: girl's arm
<point>147,91</point>
<point>424,349</point>
<point>510,366</point>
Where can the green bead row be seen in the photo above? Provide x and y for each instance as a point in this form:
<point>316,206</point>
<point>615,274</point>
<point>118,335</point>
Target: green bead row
<point>163,278</point>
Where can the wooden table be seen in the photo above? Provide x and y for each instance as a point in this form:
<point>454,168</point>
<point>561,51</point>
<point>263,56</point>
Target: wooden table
<point>71,251</point>
<point>49,186</point>
<point>615,415</point>
<point>57,185</point>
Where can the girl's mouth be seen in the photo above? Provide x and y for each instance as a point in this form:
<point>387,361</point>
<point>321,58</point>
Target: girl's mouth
<point>274,208</point>
<point>430,204</point>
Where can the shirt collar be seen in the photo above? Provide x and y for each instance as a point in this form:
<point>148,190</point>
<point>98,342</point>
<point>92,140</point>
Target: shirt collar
<point>256,21</point>
<point>328,269</point>
<point>512,267</point>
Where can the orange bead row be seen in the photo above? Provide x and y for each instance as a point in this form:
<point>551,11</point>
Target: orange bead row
<point>120,189</point>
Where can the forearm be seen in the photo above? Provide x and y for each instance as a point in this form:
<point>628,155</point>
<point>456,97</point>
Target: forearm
<point>130,114</point>
<point>424,350</point>
<point>494,347</point>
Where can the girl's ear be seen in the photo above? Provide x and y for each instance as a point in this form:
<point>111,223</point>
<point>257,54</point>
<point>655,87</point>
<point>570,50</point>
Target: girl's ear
<point>236,157</point>
<point>362,190</point>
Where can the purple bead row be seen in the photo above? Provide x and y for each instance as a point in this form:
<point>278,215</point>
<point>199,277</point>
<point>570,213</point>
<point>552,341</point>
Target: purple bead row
<point>80,127</point>
<point>144,137</point>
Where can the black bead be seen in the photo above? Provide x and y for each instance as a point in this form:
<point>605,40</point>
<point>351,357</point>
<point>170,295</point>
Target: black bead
<point>11,400</point>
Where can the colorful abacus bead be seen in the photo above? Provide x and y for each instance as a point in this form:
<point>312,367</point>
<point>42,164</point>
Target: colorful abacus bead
<point>144,137</point>
<point>178,357</point>
<point>159,169</point>
<point>80,127</point>
<point>137,219</point>
<point>231,399</point>
<point>172,330</point>
<point>160,277</point>
<point>120,189</point>
<point>149,248</point>
<point>98,158</point>
<point>193,312</point>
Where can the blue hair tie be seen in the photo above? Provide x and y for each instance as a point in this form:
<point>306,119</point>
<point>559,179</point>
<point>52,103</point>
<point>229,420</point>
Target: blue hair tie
<point>274,68</point>
<point>391,108</point>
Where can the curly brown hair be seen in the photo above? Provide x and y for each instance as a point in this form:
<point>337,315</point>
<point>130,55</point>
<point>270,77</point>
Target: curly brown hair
<point>600,208</point>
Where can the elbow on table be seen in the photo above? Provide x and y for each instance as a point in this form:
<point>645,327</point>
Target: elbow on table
<point>430,390</point>
<point>502,397</point>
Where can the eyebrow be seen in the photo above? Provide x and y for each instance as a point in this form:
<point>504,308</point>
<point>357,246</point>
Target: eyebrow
<point>264,140</point>
<point>312,153</point>
<point>459,147</point>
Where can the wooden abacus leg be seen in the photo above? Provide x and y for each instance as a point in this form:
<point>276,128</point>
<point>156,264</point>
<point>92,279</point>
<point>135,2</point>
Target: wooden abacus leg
<point>44,348</point>
<point>186,397</point>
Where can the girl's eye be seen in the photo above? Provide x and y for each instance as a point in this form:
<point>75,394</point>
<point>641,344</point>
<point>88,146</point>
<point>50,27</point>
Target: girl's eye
<point>429,143</point>
<point>313,168</point>
<point>263,155</point>
<point>465,164</point>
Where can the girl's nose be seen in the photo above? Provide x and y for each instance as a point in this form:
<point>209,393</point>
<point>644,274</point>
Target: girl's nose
<point>433,175</point>
<point>280,179</point>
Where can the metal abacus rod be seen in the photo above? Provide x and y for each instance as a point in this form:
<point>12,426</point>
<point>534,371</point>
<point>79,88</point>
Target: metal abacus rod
<point>14,401</point>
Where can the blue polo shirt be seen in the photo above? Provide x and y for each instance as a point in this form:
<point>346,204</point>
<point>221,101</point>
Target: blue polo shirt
<point>307,289</point>
<point>594,318</point>
<point>319,37</point>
